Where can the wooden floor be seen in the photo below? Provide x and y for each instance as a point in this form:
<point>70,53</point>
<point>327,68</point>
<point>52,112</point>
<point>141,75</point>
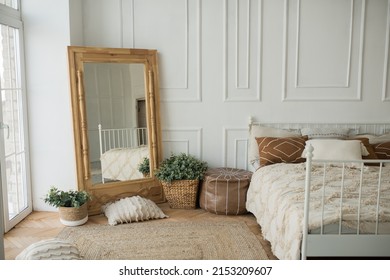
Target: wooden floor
<point>43,225</point>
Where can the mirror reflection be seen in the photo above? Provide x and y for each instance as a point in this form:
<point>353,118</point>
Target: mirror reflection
<point>116,117</point>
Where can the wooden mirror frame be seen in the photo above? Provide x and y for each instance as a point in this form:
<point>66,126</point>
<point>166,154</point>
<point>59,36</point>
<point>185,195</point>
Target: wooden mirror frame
<point>103,193</point>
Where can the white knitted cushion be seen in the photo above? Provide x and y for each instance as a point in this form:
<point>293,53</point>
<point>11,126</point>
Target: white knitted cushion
<point>132,209</point>
<point>50,249</point>
<point>326,132</point>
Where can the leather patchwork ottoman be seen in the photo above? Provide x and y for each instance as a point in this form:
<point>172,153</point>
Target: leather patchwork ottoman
<point>223,191</point>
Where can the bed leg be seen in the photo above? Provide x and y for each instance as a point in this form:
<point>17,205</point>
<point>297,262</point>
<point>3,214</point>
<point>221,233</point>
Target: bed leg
<point>309,156</point>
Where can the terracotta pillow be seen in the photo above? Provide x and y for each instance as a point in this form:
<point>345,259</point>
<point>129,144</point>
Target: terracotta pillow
<point>277,150</point>
<point>382,150</point>
<point>265,131</point>
<point>370,150</point>
<point>369,147</point>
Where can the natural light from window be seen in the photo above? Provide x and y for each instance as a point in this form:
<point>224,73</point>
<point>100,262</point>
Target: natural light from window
<point>10,3</point>
<point>13,117</point>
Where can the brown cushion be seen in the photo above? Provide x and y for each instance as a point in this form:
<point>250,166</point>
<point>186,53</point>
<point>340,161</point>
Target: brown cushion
<point>223,191</point>
<point>382,150</point>
<point>370,150</point>
<point>277,150</point>
<point>369,147</point>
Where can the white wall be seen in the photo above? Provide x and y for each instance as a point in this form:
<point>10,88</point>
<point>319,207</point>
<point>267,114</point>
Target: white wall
<point>221,61</point>
<point>276,60</point>
<point>46,26</point>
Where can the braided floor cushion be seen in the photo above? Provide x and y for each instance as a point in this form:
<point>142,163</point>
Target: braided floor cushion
<point>50,249</point>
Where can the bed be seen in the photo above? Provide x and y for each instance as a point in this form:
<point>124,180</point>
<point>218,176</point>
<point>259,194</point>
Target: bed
<point>321,190</point>
<point>121,151</point>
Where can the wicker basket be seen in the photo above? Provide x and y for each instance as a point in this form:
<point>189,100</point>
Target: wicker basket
<point>181,193</point>
<point>73,216</point>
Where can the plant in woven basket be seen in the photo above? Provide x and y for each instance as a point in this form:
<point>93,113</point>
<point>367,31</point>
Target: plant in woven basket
<point>72,205</point>
<point>179,176</point>
<point>144,166</point>
<point>181,167</point>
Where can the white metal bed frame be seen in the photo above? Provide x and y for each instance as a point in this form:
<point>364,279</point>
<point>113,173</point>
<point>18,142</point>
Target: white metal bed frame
<point>343,244</point>
<point>339,244</point>
<point>115,138</point>
<point>121,138</point>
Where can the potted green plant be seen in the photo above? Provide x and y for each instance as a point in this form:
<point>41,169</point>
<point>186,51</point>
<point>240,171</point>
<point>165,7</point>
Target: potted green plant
<point>180,175</point>
<point>144,167</point>
<point>72,205</point>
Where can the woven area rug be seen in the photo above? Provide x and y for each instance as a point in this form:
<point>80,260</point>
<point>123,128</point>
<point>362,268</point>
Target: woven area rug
<point>163,240</point>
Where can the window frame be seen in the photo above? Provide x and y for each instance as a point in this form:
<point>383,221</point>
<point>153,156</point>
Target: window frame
<point>13,18</point>
<point>7,11</point>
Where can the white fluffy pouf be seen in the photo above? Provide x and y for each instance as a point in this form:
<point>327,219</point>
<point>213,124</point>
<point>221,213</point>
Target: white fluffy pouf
<point>50,249</point>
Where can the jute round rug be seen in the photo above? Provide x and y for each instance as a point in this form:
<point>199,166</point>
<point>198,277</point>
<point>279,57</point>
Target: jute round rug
<point>156,240</point>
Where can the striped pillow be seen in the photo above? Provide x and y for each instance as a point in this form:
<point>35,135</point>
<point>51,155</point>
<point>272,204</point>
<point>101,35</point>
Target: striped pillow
<point>326,132</point>
<point>132,209</point>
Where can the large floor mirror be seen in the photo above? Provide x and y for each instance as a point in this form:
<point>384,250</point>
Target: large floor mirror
<point>116,118</point>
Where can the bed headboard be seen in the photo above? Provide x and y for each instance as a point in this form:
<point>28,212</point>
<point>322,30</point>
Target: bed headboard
<point>122,138</point>
<point>360,128</point>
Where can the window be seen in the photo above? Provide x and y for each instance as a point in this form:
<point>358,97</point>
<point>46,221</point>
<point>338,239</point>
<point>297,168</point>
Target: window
<point>15,179</point>
<point>10,3</point>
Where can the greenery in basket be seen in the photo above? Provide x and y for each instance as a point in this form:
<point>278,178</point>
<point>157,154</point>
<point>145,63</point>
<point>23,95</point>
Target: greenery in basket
<point>181,167</point>
<point>144,167</point>
<point>72,198</point>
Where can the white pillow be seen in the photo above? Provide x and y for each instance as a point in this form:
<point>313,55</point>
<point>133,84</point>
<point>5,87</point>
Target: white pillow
<point>50,249</point>
<point>256,130</point>
<point>335,149</point>
<point>132,209</point>
<point>326,132</point>
<point>375,139</point>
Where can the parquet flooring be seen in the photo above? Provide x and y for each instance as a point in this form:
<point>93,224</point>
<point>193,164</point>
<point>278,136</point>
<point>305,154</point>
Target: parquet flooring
<point>43,225</point>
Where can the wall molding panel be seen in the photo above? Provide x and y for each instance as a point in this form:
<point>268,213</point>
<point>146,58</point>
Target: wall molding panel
<point>386,70</point>
<point>323,59</point>
<point>242,50</point>
<point>182,140</point>
<point>235,147</point>
<point>345,74</point>
<point>178,37</point>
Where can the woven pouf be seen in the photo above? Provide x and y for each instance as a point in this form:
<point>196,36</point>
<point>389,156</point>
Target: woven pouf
<point>223,191</point>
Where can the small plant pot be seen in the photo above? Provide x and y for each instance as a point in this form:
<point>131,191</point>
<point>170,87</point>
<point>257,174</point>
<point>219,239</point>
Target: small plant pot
<point>73,216</point>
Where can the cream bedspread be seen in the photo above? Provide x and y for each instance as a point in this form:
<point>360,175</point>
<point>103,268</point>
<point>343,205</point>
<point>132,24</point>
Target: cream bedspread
<point>276,197</point>
<point>122,163</point>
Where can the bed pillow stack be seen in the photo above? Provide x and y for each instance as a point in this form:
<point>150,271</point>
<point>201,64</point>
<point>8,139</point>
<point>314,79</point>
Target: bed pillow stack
<point>270,145</point>
<point>340,147</point>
